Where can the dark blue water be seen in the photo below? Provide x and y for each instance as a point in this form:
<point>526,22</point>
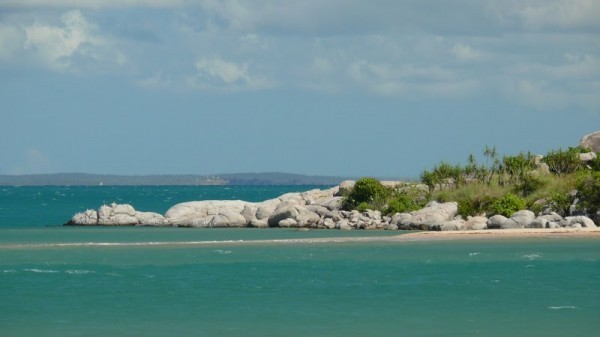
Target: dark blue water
<point>55,205</point>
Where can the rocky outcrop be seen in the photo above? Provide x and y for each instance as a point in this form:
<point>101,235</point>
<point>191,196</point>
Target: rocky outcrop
<point>429,218</point>
<point>319,209</point>
<point>520,219</point>
<point>117,215</point>
<point>591,141</point>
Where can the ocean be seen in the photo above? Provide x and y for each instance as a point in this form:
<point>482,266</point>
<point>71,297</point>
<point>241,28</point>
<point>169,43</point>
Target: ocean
<point>79,281</point>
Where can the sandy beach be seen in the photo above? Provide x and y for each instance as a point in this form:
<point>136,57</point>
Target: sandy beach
<point>502,234</point>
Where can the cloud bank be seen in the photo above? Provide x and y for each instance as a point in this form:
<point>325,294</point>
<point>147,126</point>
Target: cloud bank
<point>539,54</point>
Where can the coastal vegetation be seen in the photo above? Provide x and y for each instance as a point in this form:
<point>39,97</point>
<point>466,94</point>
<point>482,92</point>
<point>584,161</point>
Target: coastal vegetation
<point>562,181</point>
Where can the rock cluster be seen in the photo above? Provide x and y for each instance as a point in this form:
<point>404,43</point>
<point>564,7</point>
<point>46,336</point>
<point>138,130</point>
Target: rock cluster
<point>591,141</point>
<point>323,209</point>
<point>315,209</point>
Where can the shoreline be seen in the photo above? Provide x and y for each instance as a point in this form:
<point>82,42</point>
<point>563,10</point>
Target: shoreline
<point>425,236</point>
<point>493,234</point>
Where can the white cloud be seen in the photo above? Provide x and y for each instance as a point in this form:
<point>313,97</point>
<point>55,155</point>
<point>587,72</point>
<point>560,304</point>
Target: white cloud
<point>217,70</point>
<point>218,74</point>
<point>76,38</point>
<point>465,53</point>
<point>11,41</point>
<point>156,81</point>
<point>410,81</point>
<point>538,14</point>
<point>92,4</point>
<point>573,83</point>
<point>561,12</point>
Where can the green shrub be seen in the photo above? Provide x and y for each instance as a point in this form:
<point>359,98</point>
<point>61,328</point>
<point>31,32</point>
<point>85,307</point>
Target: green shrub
<point>402,203</point>
<point>443,175</point>
<point>589,191</point>
<point>563,162</point>
<point>513,169</point>
<point>428,178</point>
<point>363,206</point>
<point>595,164</point>
<point>366,190</point>
<point>474,206</point>
<point>507,205</point>
<point>538,207</point>
<point>529,183</point>
<point>473,198</point>
<point>560,203</point>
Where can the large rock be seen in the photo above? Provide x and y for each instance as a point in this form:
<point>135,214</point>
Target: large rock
<point>400,219</point>
<point>287,223</point>
<point>305,217</point>
<point>345,187</point>
<point>283,212</point>
<point>151,219</point>
<point>520,219</point>
<point>258,223</point>
<point>434,213</point>
<point>596,218</point>
<point>476,223</point>
<point>586,157</point>
<point>228,219</point>
<point>210,213</point>
<point>452,225</point>
<point>343,225</point>
<point>266,209</point>
<point>591,141</point>
<point>331,203</point>
<point>314,196</point>
<point>117,215</point>
<point>496,221</point>
<point>87,218</point>
<point>583,221</point>
<point>323,212</point>
<point>553,217</point>
<point>538,222</point>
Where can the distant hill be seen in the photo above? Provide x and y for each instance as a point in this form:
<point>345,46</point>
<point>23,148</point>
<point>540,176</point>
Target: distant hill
<point>86,179</point>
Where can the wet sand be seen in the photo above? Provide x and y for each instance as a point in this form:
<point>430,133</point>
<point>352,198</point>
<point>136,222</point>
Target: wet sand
<point>494,234</point>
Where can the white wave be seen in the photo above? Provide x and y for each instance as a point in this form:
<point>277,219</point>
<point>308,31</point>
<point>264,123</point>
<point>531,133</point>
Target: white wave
<point>191,243</point>
<point>474,254</point>
<point>224,252</point>
<point>531,257</point>
<point>79,271</point>
<point>9,271</point>
<point>562,307</point>
<point>44,271</point>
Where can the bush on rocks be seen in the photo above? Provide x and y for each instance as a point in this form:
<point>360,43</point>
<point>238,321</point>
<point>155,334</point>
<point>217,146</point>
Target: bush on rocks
<point>589,191</point>
<point>507,205</point>
<point>563,162</point>
<point>369,191</point>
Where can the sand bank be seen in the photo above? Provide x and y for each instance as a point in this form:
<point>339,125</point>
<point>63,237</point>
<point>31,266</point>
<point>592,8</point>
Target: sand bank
<point>501,234</point>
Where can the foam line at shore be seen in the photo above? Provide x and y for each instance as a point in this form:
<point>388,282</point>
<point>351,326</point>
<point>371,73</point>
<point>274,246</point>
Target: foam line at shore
<point>409,237</point>
<point>194,243</point>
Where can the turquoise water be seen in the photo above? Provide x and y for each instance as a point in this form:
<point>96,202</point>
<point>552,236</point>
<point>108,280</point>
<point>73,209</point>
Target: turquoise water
<point>57,281</point>
<point>55,205</point>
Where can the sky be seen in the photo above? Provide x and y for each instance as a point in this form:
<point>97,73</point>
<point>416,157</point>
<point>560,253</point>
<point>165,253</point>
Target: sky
<point>383,88</point>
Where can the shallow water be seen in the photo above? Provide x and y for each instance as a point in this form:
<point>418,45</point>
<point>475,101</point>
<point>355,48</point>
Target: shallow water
<point>463,288</point>
<point>222,285</point>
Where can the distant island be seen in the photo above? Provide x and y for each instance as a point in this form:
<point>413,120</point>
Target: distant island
<point>85,179</point>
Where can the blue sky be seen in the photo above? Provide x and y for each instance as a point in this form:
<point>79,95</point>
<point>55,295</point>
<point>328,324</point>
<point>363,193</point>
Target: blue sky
<point>341,87</point>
